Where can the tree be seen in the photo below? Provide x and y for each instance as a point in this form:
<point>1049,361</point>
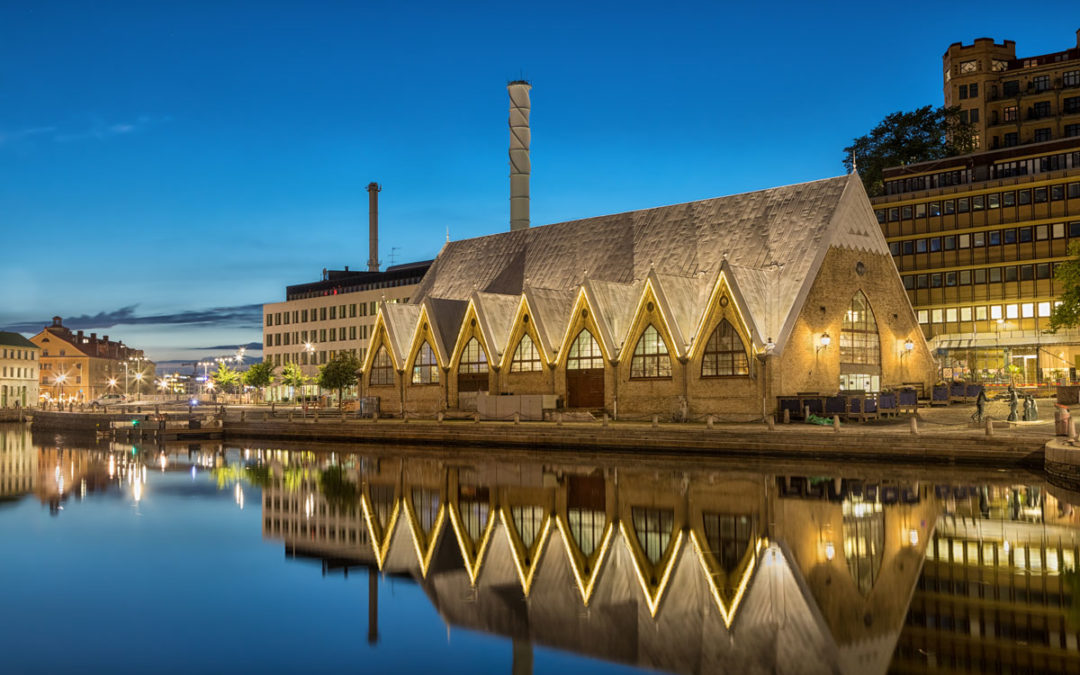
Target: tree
<point>225,377</point>
<point>340,373</point>
<point>292,376</point>
<point>1066,314</point>
<point>921,135</point>
<point>259,375</point>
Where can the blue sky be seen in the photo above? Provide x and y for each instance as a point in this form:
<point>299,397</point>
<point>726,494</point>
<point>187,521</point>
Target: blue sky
<point>163,161</point>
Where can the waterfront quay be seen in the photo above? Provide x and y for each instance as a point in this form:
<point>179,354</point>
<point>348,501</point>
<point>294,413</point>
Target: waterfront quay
<point>934,436</point>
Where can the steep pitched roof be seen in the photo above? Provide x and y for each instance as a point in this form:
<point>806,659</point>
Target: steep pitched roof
<point>495,312</point>
<point>773,240</point>
<point>551,309</point>
<point>8,339</point>
<point>400,324</point>
<point>615,305</point>
<point>445,316</point>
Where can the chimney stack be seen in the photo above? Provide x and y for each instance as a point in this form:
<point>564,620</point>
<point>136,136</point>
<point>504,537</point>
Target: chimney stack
<point>519,154</point>
<point>373,226</point>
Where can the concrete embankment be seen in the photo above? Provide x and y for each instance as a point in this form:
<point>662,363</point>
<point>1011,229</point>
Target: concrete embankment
<point>878,444</point>
<point>1062,463</point>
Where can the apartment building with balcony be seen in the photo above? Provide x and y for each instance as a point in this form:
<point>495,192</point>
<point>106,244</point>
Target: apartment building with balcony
<point>976,239</point>
<point>1013,100</point>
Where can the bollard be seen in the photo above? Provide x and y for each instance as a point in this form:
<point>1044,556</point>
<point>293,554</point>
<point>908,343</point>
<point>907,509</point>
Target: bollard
<point>989,427</point>
<point>655,421</point>
<point>806,413</point>
<point>517,418</point>
<point>157,409</point>
<point>771,422</point>
<point>316,415</point>
<point>913,422</point>
<point>375,417</point>
<point>607,420</point>
<point>439,417</point>
<point>272,406</point>
<point>787,416</point>
<point>709,421</point>
<point>558,419</point>
<point>1072,431</point>
<point>405,417</point>
<point>476,418</point>
<point>836,423</point>
<point>290,415</point>
<point>189,410</point>
<point>243,415</point>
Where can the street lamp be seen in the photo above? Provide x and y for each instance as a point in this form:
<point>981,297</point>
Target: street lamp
<point>138,384</point>
<point>60,381</point>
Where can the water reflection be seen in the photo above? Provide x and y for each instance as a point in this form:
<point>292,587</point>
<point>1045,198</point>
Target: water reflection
<point>652,564</point>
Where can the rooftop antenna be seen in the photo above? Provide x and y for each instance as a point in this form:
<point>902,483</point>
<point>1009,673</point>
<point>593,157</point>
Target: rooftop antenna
<point>393,254</point>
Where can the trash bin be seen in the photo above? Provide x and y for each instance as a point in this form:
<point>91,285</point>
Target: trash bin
<point>1062,420</point>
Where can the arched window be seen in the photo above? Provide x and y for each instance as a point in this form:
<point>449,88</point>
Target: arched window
<point>650,357</point>
<point>473,367</point>
<point>473,358</point>
<point>526,356</point>
<point>725,354</point>
<point>860,347</point>
<point>584,352</point>
<point>425,367</point>
<point>382,369</point>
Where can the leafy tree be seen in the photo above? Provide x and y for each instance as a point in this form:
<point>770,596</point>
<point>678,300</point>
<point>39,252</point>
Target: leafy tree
<point>292,376</point>
<point>1067,276</point>
<point>225,377</point>
<point>259,375</point>
<point>921,135</point>
<point>338,490</point>
<point>340,373</point>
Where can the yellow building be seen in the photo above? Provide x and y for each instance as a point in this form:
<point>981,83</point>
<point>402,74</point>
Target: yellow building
<point>715,307</point>
<point>336,314</point>
<point>19,364</point>
<point>1012,101</point>
<point>976,239</point>
<point>78,368</point>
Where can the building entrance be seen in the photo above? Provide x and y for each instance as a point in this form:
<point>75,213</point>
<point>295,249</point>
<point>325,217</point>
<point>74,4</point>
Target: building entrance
<point>585,373</point>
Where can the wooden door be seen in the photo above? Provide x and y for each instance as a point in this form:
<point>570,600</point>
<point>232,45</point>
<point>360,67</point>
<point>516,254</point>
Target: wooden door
<point>585,388</point>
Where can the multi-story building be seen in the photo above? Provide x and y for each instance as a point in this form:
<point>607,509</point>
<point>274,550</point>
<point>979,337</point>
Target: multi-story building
<point>976,239</point>
<point>320,319</point>
<point>79,368</point>
<point>1012,101</point>
<point>19,364</point>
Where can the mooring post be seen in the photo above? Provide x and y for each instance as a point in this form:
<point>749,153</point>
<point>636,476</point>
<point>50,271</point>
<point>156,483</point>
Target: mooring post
<point>709,421</point>
<point>806,413</point>
<point>243,414</point>
<point>787,416</point>
<point>771,422</point>
<point>517,418</point>
<point>316,416</point>
<point>836,423</point>
<point>989,427</point>
<point>290,416</point>
<point>375,417</point>
<point>607,419</point>
<point>913,422</point>
<point>655,421</point>
<point>558,419</point>
<point>476,418</point>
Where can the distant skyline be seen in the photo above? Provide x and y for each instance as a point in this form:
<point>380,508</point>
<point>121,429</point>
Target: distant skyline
<point>167,168</point>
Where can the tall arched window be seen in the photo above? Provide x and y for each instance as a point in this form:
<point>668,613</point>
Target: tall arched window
<point>526,356</point>
<point>725,353</point>
<point>650,357</point>
<point>382,369</point>
<point>584,352</point>
<point>425,367</point>
<point>473,367</point>
<point>860,347</point>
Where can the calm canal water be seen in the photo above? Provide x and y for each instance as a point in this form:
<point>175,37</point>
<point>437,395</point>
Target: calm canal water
<point>207,558</point>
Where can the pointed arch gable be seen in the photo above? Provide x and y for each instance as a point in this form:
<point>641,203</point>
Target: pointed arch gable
<point>526,559</point>
<point>425,332</point>
<point>471,328</point>
<point>730,598</point>
<point>654,578</point>
<point>577,322</point>
<point>733,310</point>
<point>586,568</point>
<point>643,317</point>
<point>472,551</point>
<point>380,338</point>
<point>424,538</point>
<point>519,327</point>
<point>381,534</point>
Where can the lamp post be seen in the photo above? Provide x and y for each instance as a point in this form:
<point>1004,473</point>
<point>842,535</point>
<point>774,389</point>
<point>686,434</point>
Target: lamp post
<point>138,384</point>
<point>60,381</point>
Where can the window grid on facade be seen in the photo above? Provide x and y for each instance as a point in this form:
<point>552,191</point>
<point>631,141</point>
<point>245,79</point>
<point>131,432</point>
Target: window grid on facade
<point>587,528</point>
<point>725,354</point>
<point>653,529</point>
<point>650,359</point>
<point>382,368</point>
<point>584,352</point>
<point>526,356</point>
<point>425,367</point>
<point>473,358</point>
<point>728,537</point>
<point>864,541</point>
<point>859,343</point>
<point>528,520</point>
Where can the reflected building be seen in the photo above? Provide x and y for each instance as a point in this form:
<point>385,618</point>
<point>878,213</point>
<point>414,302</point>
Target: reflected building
<point>678,571</point>
<point>18,462</point>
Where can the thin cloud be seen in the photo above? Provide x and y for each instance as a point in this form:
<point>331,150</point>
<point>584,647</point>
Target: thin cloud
<point>101,131</point>
<point>240,316</point>
<point>13,136</point>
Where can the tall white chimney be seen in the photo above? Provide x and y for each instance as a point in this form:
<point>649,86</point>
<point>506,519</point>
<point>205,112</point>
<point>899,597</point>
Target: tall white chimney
<point>519,154</point>
<point>373,226</point>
